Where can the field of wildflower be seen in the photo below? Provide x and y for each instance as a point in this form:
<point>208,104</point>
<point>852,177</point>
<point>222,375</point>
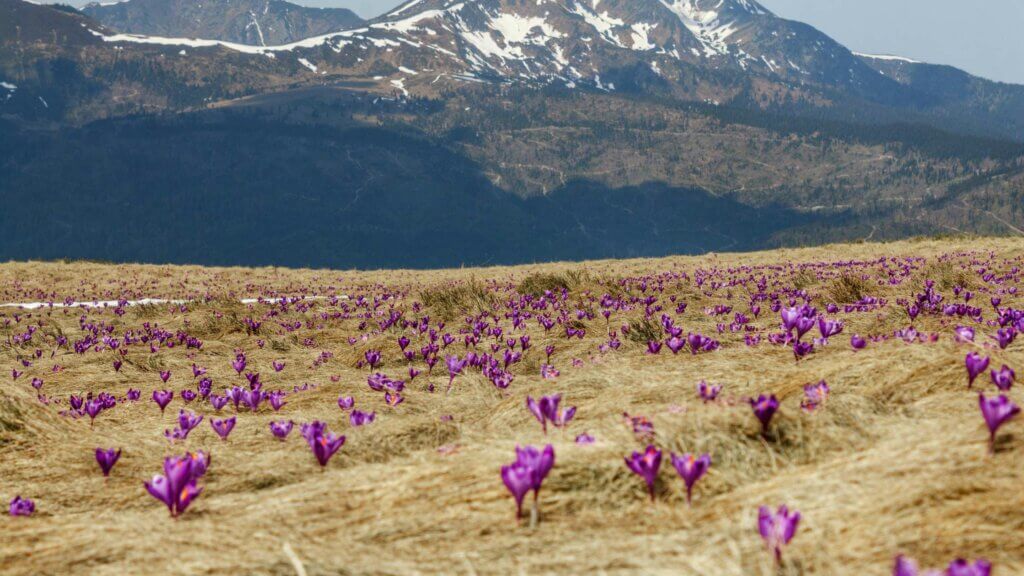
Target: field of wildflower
<point>848,409</point>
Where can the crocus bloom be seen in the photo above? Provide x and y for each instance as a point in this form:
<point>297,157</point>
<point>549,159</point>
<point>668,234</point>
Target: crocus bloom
<point>814,395</point>
<point>764,408</point>
<point>961,567</point>
<point>777,528</point>
<point>346,402</point>
<point>321,442</point>
<point>539,462</point>
<point>455,367</point>
<point>518,478</point>
<point>223,427</point>
<point>996,411</point>
<point>165,375</point>
<point>857,342</point>
<point>372,358</point>
<point>584,439</point>
<point>975,366</point>
<point>281,429</point>
<point>22,506</point>
<point>707,392</point>
<point>106,459</point>
<point>1003,378</point>
<point>162,398</point>
<point>691,469</point>
<point>187,421</point>
<point>646,466</point>
<point>176,487</point>
<point>360,418</point>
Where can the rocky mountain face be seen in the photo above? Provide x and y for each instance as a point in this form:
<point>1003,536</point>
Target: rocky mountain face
<point>489,131</point>
<point>253,22</point>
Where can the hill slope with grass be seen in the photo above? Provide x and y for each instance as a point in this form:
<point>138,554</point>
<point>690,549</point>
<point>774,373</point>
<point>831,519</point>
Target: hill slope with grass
<point>893,460</point>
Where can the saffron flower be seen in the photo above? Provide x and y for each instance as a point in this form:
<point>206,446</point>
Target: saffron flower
<point>165,375</point>
<point>708,392</point>
<point>360,418</point>
<point>455,367</point>
<point>996,411</point>
<point>346,402</point>
<point>187,421</point>
<point>646,466</point>
<point>162,398</point>
<point>1003,378</point>
<point>815,395</point>
<point>764,408</point>
<point>777,528</point>
<point>975,366</point>
<point>22,506</point>
<point>858,342</point>
<point>321,442</point>
<point>372,358</point>
<point>528,473</point>
<point>281,429</point>
<point>106,458</point>
<point>177,486</point>
<point>691,469</point>
<point>518,479</point>
<point>223,427</point>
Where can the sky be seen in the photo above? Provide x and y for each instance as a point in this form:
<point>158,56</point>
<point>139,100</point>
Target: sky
<point>983,37</point>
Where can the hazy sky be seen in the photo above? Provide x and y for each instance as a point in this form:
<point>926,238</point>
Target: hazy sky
<point>984,37</point>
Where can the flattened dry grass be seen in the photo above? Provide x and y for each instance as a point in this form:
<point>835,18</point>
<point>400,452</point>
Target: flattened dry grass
<point>894,463</point>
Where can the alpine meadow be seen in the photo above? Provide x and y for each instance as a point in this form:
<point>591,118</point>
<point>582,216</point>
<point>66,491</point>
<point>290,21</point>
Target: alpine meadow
<point>488,287</point>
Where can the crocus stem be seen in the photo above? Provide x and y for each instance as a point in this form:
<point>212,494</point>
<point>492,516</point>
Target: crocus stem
<point>534,513</point>
<point>992,443</point>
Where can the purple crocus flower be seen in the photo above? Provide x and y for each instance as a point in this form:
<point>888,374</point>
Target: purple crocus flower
<point>707,392</point>
<point>106,458</point>
<point>372,358</point>
<point>961,567</point>
<point>187,421</point>
<point>162,398</point>
<point>534,407</point>
<point>857,342</point>
<point>360,418</point>
<point>177,487</point>
<point>1003,378</point>
<point>223,427</point>
<point>653,347</point>
<point>278,366</point>
<point>165,375</point>
<point>37,383</point>
<point>1005,336</point>
<point>346,402</point>
<point>585,439</point>
<point>975,366</point>
<point>281,429</point>
<point>764,408</point>
<point>21,506</point>
<point>518,478</point>
<point>996,411</point>
<point>539,463</point>
<point>646,466</point>
<point>815,395</point>
<point>691,469</point>
<point>321,442</point>
<point>218,401</point>
<point>239,363</point>
<point>777,528</point>
<point>276,399</point>
<point>455,367</point>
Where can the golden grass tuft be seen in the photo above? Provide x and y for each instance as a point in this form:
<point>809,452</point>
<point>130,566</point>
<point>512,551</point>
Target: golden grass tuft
<point>894,463</point>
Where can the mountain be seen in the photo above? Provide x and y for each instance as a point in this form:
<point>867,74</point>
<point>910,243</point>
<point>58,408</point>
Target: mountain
<point>253,22</point>
<point>489,131</point>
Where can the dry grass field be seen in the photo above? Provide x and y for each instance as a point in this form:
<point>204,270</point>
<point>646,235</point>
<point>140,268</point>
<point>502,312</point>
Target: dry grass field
<point>895,462</point>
